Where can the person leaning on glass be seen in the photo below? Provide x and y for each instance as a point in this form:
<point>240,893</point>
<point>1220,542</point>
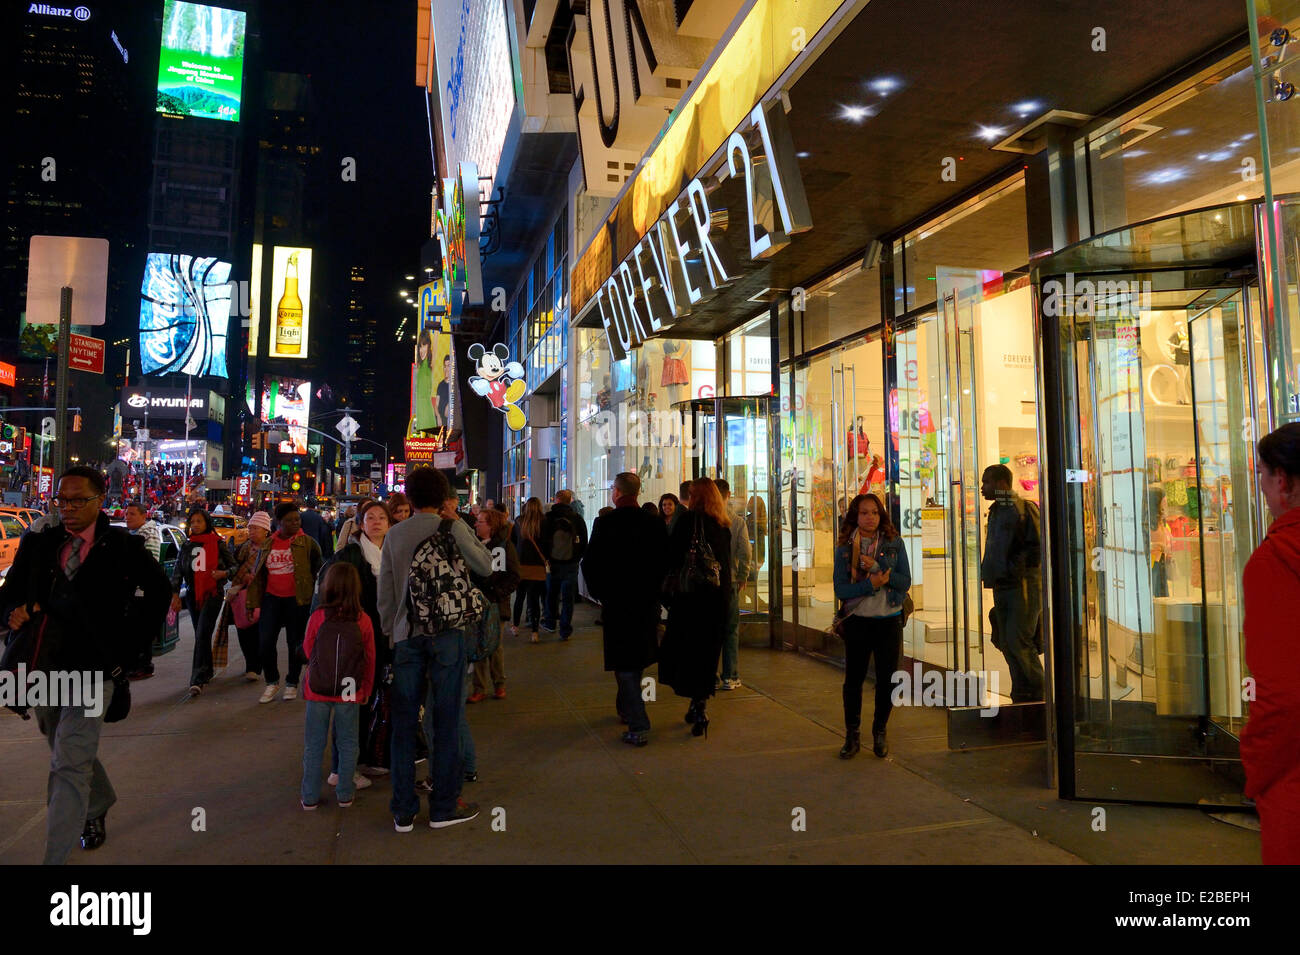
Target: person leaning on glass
<point>1270,741</point>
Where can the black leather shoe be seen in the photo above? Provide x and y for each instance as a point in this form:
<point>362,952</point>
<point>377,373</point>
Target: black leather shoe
<point>635,739</point>
<point>93,836</point>
<point>851,745</point>
<point>879,745</point>
<point>692,713</point>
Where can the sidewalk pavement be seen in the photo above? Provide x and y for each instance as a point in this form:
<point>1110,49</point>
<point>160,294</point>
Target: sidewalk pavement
<point>215,780</point>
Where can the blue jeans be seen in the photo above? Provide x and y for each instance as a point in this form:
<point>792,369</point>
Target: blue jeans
<point>731,639</point>
<point>465,742</point>
<point>561,581</point>
<point>347,719</point>
<point>442,659</point>
<point>629,702</point>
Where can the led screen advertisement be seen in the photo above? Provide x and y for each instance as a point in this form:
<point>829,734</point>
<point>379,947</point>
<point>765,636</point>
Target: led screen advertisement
<point>288,401</point>
<point>290,312</point>
<point>184,314</point>
<point>201,63</point>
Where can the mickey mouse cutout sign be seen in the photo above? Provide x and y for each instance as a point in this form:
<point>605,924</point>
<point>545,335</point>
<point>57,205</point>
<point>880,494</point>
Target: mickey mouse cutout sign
<point>499,381</point>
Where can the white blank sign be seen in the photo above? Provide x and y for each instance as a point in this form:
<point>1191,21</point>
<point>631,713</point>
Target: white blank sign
<point>58,260</point>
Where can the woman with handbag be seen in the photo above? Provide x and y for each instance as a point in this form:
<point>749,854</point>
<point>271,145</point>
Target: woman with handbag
<point>872,577</point>
<point>532,566</point>
<point>246,559</point>
<point>202,577</point>
<point>494,532</point>
<point>698,589</point>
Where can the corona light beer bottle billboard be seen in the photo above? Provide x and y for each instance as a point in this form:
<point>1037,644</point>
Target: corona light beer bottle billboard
<point>291,293</point>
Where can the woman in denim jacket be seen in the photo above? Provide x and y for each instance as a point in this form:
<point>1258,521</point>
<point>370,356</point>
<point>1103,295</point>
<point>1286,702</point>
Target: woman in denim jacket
<point>872,578</point>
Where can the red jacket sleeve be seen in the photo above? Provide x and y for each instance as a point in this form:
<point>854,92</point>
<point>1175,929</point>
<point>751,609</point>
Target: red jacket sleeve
<point>1270,741</point>
<point>368,633</point>
<point>309,639</point>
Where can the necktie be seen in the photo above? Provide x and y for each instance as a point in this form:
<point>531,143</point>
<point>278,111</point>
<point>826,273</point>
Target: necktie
<point>74,558</point>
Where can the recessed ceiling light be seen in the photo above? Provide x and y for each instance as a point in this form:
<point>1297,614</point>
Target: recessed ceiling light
<point>854,114</point>
<point>1241,197</point>
<point>989,132</point>
<point>884,85</point>
<point>802,155</point>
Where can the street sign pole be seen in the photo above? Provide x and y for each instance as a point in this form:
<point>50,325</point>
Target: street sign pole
<point>61,385</point>
<point>347,452</point>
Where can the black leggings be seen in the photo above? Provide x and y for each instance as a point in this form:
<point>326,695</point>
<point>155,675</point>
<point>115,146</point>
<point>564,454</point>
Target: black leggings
<point>532,591</point>
<point>863,638</point>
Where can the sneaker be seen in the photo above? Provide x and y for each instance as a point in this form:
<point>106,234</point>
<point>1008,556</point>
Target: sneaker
<point>547,628</point>
<point>500,694</point>
<point>424,785</point>
<point>404,823</point>
<point>464,813</point>
<point>732,684</point>
<point>252,677</point>
<point>635,739</point>
<point>291,693</point>
<point>269,693</point>
<point>308,806</point>
<point>476,697</point>
<point>344,804</point>
<point>376,770</point>
<point>332,779</point>
<point>471,777</point>
<point>196,689</point>
<point>361,782</point>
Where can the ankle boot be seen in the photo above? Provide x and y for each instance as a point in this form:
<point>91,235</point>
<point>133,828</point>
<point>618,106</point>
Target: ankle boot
<point>851,744</point>
<point>879,745</point>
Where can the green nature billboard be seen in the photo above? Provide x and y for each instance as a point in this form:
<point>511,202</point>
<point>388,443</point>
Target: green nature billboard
<point>201,63</point>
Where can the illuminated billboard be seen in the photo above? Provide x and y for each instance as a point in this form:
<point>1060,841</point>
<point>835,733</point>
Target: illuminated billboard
<point>254,316</point>
<point>288,401</point>
<point>290,302</point>
<point>201,63</point>
<point>184,314</point>
<point>433,400</point>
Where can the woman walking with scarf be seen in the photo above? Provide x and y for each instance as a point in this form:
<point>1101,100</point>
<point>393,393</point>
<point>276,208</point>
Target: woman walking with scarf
<point>204,562</point>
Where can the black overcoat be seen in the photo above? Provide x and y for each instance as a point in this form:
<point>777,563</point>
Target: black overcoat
<point>697,621</point>
<point>624,569</point>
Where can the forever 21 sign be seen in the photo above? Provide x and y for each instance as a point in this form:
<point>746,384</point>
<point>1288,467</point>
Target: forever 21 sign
<point>685,258</point>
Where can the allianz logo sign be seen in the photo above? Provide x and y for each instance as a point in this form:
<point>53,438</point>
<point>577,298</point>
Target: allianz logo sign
<point>139,401</point>
<point>78,13</point>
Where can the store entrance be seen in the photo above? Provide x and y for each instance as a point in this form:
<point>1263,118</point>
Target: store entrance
<point>732,438</point>
<point>1161,376</point>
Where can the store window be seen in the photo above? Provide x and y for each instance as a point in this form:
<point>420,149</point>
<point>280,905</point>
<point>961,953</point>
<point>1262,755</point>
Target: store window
<point>749,358</point>
<point>845,305</point>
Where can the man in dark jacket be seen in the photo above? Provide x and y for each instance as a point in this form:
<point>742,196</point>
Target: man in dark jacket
<point>318,529</point>
<point>76,580</point>
<point>624,567</point>
<point>1011,567</point>
<point>564,539</point>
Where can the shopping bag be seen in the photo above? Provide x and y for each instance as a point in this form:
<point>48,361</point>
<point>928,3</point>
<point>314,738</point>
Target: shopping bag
<point>221,637</point>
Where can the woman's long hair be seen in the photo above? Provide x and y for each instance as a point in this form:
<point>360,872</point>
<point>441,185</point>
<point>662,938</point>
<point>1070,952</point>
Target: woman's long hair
<point>530,521</point>
<point>341,592</point>
<point>668,497</point>
<point>885,528</point>
<point>705,498</point>
<point>426,339</point>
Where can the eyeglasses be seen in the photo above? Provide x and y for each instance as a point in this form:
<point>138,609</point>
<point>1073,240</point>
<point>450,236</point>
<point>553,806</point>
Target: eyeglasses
<point>74,502</point>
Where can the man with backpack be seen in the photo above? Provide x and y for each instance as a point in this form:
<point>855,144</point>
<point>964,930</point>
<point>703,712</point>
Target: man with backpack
<point>564,539</point>
<point>1012,569</point>
<point>425,602</point>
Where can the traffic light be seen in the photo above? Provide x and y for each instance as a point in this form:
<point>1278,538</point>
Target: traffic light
<point>259,441</point>
<point>297,481</point>
<point>76,422</point>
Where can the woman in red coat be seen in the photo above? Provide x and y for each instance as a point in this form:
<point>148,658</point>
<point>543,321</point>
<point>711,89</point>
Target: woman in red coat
<point>1270,742</point>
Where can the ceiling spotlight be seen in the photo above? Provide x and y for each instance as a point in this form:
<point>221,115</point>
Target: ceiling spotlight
<point>802,155</point>
<point>854,114</point>
<point>1241,197</point>
<point>884,85</point>
<point>1027,107</point>
<point>410,278</point>
<point>989,133</point>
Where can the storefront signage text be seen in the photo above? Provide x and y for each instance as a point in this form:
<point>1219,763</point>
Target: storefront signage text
<point>456,229</point>
<point>686,258</point>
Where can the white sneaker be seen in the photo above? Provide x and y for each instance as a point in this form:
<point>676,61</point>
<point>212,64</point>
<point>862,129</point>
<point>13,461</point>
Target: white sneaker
<point>731,684</point>
<point>269,693</point>
<point>332,779</point>
<point>361,782</point>
<point>291,693</point>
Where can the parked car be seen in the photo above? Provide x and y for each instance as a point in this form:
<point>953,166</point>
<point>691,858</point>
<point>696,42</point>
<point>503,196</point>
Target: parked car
<point>26,515</point>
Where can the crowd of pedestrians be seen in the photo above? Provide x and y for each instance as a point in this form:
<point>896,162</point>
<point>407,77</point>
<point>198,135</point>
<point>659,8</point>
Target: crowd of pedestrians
<point>383,626</point>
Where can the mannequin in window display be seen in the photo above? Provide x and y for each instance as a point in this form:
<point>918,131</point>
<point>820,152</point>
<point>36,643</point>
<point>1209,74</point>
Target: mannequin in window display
<point>673,371</point>
<point>1011,568</point>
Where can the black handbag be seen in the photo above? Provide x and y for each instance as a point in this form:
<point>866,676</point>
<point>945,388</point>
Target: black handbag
<point>120,705</point>
<point>700,570</point>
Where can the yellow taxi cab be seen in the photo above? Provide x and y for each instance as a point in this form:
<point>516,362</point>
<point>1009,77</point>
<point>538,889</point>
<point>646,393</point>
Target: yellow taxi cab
<point>11,532</point>
<point>231,528</point>
<point>25,515</point>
